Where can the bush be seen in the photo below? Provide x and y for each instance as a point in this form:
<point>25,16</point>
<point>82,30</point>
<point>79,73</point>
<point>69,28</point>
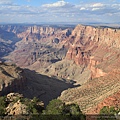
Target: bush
<point>57,110</point>
<point>55,107</point>
<point>3,105</point>
<point>109,110</point>
<point>72,109</point>
<point>108,113</point>
<point>32,105</point>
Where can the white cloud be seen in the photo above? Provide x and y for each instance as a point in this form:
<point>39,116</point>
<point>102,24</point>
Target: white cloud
<point>57,4</point>
<point>97,5</point>
<point>94,9</point>
<point>60,11</point>
<point>82,8</point>
<point>5,2</point>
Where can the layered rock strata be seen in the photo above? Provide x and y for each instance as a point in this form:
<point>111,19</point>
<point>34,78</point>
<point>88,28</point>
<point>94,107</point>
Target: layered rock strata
<point>94,47</point>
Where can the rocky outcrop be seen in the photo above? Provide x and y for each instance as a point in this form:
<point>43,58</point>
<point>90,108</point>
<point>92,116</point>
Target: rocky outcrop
<point>13,96</point>
<point>15,106</point>
<point>17,109</point>
<point>12,79</point>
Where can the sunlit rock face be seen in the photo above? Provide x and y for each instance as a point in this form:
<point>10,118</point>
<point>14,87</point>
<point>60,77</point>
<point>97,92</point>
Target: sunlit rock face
<point>94,47</point>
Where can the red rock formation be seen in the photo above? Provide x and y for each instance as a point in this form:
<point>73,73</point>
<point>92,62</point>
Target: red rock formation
<point>91,47</point>
<point>36,33</point>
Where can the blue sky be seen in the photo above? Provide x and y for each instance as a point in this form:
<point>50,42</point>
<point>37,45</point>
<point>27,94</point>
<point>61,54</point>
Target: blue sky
<point>69,11</point>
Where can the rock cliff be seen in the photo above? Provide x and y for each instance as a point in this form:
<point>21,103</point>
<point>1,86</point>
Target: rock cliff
<point>43,33</point>
<point>12,79</point>
<point>40,43</point>
<point>30,83</point>
<point>94,47</point>
<point>97,49</point>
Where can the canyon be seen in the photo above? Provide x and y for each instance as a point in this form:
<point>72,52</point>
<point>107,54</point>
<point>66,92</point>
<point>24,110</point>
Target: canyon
<point>52,59</point>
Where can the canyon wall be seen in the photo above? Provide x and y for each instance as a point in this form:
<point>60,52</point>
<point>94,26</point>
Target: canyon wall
<point>93,47</point>
<point>12,79</point>
<point>98,49</point>
<point>36,33</point>
<point>89,47</point>
<point>85,55</point>
<point>41,44</point>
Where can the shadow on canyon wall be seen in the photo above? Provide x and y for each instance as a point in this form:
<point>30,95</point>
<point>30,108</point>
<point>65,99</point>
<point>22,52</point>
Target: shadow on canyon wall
<point>37,85</point>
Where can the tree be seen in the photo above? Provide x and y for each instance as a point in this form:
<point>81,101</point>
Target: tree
<point>63,111</point>
<point>72,109</point>
<point>55,107</point>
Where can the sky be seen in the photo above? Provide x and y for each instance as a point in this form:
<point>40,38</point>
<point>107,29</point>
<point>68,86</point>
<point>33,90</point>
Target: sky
<point>60,11</point>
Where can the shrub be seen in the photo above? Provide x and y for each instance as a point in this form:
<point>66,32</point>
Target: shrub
<point>3,105</point>
<point>32,105</point>
<point>109,110</point>
<point>57,110</point>
<point>54,107</point>
<point>72,109</point>
<point>108,113</point>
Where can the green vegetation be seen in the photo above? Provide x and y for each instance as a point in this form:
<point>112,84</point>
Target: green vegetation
<point>108,113</point>
<point>72,109</point>
<point>55,110</point>
<point>3,105</point>
<point>63,111</point>
<point>57,107</point>
<point>109,110</point>
<point>33,106</point>
<point>54,107</point>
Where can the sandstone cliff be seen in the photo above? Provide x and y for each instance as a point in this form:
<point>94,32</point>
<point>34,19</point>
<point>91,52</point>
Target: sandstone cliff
<point>97,49</point>
<point>44,33</point>
<point>94,48</point>
<point>39,43</point>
